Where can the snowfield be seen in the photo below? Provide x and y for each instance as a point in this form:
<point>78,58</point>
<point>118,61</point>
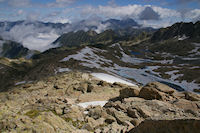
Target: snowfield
<point>93,103</point>
<point>90,58</point>
<point>111,79</point>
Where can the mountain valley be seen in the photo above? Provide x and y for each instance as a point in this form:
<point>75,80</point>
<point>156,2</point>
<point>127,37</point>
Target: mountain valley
<point>119,80</point>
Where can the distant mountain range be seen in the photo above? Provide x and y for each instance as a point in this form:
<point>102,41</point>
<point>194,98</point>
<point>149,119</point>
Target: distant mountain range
<point>127,31</point>
<point>67,27</point>
<point>36,35</point>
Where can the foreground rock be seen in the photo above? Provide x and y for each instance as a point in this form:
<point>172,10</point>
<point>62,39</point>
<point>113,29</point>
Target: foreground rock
<point>170,126</point>
<point>156,90</point>
<point>51,105</point>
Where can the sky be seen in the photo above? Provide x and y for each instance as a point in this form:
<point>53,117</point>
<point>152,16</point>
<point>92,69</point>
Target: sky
<point>155,13</point>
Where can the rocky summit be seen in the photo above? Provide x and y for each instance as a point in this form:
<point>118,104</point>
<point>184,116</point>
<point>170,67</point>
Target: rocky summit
<point>78,102</point>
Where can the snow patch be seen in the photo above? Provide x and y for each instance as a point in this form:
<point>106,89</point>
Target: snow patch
<point>63,70</point>
<point>110,79</point>
<point>21,82</point>
<point>93,103</point>
<point>89,57</point>
<point>182,37</point>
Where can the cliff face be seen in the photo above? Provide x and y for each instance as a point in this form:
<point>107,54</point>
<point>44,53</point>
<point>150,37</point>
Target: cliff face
<point>179,29</point>
<point>79,102</point>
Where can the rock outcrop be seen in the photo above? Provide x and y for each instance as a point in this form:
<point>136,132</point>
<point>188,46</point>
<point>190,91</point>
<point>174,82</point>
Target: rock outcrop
<point>52,105</point>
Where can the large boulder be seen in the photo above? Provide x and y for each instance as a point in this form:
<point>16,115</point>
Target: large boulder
<point>186,105</point>
<point>156,90</point>
<point>121,117</point>
<point>129,92</point>
<point>92,123</point>
<point>168,126</point>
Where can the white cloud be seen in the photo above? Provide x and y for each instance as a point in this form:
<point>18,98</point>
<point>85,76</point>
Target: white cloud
<point>19,3</point>
<point>114,11</point>
<point>34,37</point>
<point>166,13</point>
<point>57,20</point>
<point>65,1</point>
<point>41,41</point>
<point>33,16</point>
<point>165,16</point>
<point>193,15</point>
<point>128,11</point>
<point>60,3</point>
<point>20,12</point>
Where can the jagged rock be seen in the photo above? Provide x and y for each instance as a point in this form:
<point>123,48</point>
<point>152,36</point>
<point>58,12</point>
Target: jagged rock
<point>156,90</point>
<point>129,92</point>
<point>40,108</point>
<point>179,95</point>
<point>74,112</point>
<point>192,96</point>
<point>136,121</point>
<point>109,119</point>
<point>119,116</point>
<point>150,93</point>
<point>113,128</point>
<point>117,105</point>
<point>181,125</point>
<point>162,87</point>
<point>90,88</point>
<point>83,87</point>
<point>93,124</point>
<point>132,112</point>
<point>186,105</point>
<point>96,112</point>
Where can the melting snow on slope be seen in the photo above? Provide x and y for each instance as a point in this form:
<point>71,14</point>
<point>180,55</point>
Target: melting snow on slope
<point>21,82</point>
<point>93,103</point>
<point>63,70</point>
<point>89,57</point>
<point>182,38</point>
<point>110,79</point>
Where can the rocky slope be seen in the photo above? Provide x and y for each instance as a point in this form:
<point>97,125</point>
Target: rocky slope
<point>179,30</point>
<point>63,103</point>
<point>13,50</point>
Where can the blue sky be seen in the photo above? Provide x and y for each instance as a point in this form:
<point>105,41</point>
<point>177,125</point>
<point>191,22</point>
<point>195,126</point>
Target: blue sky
<point>147,12</point>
